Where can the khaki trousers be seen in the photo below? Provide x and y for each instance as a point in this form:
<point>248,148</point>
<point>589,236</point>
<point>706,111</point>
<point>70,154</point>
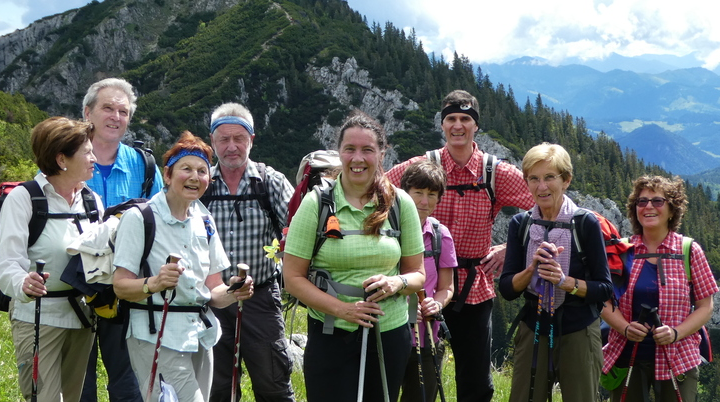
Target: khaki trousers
<point>577,359</point>
<point>62,360</point>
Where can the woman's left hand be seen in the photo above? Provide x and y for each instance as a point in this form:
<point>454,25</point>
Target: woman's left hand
<point>380,287</point>
<point>664,335</point>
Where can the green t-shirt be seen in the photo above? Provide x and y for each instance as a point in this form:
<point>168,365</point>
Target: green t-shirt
<point>355,258</point>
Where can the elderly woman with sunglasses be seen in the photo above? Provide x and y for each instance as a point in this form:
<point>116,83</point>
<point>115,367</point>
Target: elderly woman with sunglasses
<point>667,352</point>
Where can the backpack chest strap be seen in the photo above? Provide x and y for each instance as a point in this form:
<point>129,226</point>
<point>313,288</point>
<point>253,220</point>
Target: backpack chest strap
<point>660,257</point>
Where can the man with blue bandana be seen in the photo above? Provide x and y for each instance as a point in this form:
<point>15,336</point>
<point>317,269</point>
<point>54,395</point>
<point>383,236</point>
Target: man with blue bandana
<point>119,176</point>
<point>249,203</point>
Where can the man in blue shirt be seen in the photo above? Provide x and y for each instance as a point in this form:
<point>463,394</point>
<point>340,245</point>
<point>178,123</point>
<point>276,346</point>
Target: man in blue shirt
<point>119,176</point>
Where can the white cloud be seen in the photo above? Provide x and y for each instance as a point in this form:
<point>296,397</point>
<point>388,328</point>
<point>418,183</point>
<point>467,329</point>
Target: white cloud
<point>494,31</point>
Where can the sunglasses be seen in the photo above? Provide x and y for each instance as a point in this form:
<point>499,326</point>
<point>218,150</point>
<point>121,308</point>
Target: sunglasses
<point>657,202</point>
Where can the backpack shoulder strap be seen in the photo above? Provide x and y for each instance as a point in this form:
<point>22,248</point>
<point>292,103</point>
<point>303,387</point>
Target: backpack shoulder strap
<point>149,160</point>
<point>39,215</point>
<point>578,222</point>
<point>149,234</point>
<point>90,204</point>
<point>436,243</point>
<point>434,155</point>
<point>490,162</point>
<point>687,251</point>
<point>326,208</point>
<point>394,218</point>
<point>259,187</point>
<point>524,229</point>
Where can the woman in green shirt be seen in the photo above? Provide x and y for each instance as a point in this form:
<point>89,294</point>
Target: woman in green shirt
<point>386,268</point>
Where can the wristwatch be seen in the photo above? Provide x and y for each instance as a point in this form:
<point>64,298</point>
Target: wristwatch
<point>577,286</point>
<point>146,288</point>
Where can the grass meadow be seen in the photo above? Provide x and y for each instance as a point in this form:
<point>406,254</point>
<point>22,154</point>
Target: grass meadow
<point>9,390</point>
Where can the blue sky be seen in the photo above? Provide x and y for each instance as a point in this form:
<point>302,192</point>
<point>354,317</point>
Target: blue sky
<point>496,31</point>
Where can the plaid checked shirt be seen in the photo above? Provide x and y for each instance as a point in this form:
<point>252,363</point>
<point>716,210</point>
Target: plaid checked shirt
<point>244,237</point>
<point>674,305</point>
<point>468,217</point>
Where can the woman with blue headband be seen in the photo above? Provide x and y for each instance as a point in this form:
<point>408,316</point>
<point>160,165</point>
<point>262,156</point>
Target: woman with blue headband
<point>184,227</point>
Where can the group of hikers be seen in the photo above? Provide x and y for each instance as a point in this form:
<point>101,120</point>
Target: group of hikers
<point>382,261</point>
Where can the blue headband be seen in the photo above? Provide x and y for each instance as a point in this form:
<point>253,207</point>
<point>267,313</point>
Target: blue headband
<point>184,153</point>
<point>232,120</point>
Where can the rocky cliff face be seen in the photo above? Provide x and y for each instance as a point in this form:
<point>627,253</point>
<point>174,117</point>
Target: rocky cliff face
<point>352,86</point>
<point>129,31</point>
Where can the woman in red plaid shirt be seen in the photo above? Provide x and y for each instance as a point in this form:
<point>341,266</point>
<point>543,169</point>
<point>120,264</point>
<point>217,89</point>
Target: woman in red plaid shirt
<point>671,349</point>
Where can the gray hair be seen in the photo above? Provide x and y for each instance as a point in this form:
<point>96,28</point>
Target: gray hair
<point>232,109</point>
<point>92,93</point>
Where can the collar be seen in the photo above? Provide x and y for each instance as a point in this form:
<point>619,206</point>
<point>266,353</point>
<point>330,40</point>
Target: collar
<point>672,244</point>
<point>159,201</point>
<point>341,202</point>
<point>474,165</point>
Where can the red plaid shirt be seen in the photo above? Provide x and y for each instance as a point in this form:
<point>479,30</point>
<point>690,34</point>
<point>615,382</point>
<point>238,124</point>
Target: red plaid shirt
<point>674,305</point>
<point>469,218</point>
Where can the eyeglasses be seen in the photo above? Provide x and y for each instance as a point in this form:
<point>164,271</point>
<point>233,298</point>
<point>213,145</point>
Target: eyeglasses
<point>547,179</point>
<point>657,202</point>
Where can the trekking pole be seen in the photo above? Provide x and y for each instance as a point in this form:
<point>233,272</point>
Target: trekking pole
<point>433,351</point>
<point>416,326</point>
<point>39,265</point>
<point>641,320</point>
<point>242,273</point>
<point>536,344</point>
<point>551,373</point>
<point>536,339</point>
<point>172,259</point>
<point>657,323</point>
<point>363,360</point>
<point>381,360</point>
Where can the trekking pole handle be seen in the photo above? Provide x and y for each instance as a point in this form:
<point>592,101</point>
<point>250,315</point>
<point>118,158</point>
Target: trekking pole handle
<point>242,273</point>
<point>173,258</point>
<point>39,266</point>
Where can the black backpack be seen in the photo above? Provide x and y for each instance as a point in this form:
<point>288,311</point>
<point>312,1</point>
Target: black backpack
<point>39,218</point>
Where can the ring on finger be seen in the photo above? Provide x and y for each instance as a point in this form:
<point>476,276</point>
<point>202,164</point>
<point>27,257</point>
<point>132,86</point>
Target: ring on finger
<point>30,286</point>
<point>384,291</point>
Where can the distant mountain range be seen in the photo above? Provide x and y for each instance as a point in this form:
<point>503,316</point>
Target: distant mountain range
<point>680,106</point>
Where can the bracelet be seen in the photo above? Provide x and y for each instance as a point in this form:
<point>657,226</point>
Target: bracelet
<point>674,340</point>
<point>626,328</point>
<point>404,283</point>
<point>562,279</point>
<point>577,286</point>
